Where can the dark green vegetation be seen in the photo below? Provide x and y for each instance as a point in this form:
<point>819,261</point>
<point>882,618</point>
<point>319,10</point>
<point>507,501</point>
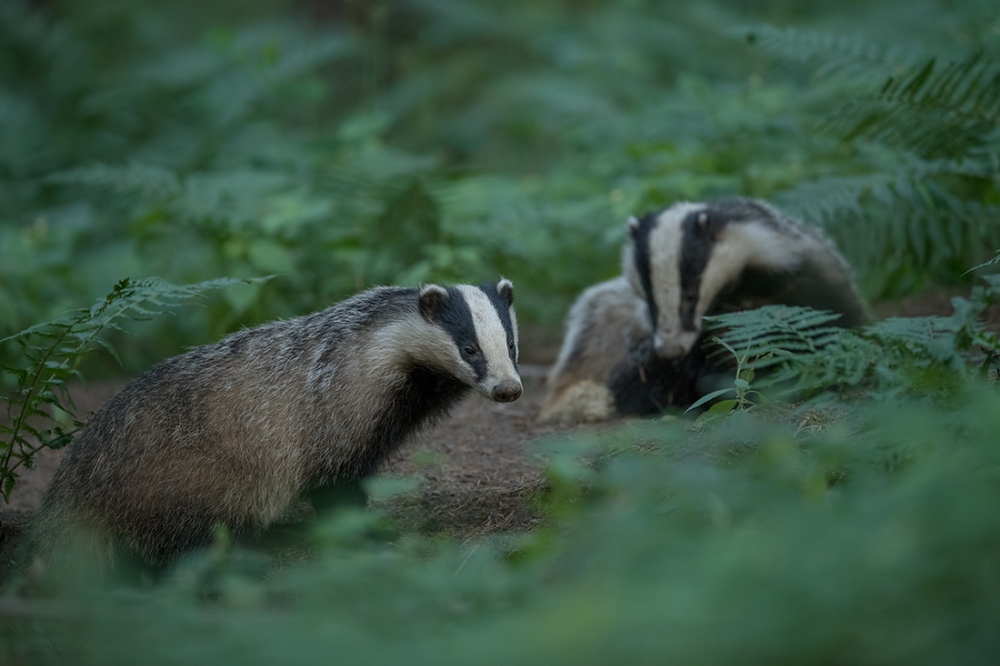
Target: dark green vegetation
<point>344,144</point>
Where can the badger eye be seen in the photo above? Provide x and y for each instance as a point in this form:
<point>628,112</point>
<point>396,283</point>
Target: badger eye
<point>470,350</point>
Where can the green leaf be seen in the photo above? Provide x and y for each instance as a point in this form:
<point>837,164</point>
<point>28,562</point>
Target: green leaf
<point>269,256</point>
<point>708,398</point>
<point>723,407</point>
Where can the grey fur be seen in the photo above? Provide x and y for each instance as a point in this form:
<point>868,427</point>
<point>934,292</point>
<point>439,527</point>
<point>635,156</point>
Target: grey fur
<point>627,350</point>
<point>234,432</point>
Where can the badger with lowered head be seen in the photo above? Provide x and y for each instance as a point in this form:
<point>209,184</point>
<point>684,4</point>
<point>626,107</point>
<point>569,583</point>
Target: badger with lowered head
<point>633,343</point>
<point>234,432</point>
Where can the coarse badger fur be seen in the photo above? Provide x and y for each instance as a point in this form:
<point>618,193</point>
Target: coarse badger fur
<point>234,432</point>
<point>633,343</point>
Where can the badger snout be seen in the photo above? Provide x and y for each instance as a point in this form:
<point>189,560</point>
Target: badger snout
<point>507,391</point>
<point>674,346</point>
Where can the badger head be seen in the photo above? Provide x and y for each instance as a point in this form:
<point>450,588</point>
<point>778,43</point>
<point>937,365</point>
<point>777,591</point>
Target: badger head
<point>682,259</point>
<point>481,331</point>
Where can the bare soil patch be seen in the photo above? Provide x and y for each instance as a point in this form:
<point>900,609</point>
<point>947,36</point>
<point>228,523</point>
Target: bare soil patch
<point>478,469</point>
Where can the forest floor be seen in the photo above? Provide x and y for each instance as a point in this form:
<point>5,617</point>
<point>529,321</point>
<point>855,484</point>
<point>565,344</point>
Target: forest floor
<point>478,470</point>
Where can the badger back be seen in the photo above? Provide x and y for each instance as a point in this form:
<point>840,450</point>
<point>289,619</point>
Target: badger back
<point>697,259</point>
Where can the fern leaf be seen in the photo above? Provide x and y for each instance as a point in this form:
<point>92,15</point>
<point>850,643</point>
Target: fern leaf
<point>932,110</point>
<point>72,336</point>
<point>995,261</point>
<point>832,54</point>
<point>803,353</point>
<point>142,181</point>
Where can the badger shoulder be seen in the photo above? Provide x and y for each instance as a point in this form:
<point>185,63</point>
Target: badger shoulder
<point>762,256</point>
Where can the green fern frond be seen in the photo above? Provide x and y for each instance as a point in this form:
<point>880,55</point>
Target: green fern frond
<point>831,54</point>
<point>774,332</point>
<point>907,213</point>
<point>928,129</point>
<point>803,353</point>
<point>932,109</point>
<point>834,197</point>
<point>241,197</point>
<point>137,180</point>
<point>995,261</point>
<point>52,351</point>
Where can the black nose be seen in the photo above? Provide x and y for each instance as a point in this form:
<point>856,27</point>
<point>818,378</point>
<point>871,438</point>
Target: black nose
<point>507,392</point>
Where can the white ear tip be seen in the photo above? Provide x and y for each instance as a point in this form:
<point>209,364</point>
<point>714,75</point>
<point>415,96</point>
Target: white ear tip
<point>506,290</point>
<point>633,222</point>
<point>431,299</point>
<point>433,289</point>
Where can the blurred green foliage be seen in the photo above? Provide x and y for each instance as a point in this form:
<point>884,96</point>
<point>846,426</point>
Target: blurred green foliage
<point>345,144</point>
<point>867,538</point>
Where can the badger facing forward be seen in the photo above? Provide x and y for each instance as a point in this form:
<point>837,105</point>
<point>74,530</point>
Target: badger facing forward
<point>232,433</point>
<point>632,344</point>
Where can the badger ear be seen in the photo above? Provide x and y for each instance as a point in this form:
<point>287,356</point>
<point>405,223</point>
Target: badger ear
<point>432,299</point>
<point>633,225</point>
<point>709,225</point>
<point>506,290</point>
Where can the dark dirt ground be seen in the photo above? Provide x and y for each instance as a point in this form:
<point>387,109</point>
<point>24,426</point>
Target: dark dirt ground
<point>478,469</point>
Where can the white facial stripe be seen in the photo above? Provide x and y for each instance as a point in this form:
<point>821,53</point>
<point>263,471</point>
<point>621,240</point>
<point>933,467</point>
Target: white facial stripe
<point>665,265</point>
<point>420,342</point>
<point>511,314</point>
<point>491,335</point>
<point>741,245</point>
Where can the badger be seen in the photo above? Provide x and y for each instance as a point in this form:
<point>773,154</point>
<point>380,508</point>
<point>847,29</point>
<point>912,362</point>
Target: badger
<point>633,343</point>
<point>233,433</point>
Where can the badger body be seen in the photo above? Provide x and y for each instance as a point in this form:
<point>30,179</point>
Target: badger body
<point>633,344</point>
<point>234,432</point>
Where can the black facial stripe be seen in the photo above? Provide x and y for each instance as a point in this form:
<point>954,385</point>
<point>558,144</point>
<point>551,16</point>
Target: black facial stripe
<point>456,318</point>
<point>700,236</point>
<point>640,241</point>
<point>697,240</point>
<point>503,312</point>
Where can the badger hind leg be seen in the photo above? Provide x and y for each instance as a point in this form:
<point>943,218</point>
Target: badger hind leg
<point>63,549</point>
<point>585,401</point>
<point>608,366</point>
<point>605,322</point>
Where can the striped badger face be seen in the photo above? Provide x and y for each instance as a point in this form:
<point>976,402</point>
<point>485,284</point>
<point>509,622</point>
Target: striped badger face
<point>682,259</point>
<point>482,329</point>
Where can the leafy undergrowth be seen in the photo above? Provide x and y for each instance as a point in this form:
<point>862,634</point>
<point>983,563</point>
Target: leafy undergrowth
<point>860,530</point>
<point>872,539</point>
<point>807,527</point>
<point>442,140</point>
